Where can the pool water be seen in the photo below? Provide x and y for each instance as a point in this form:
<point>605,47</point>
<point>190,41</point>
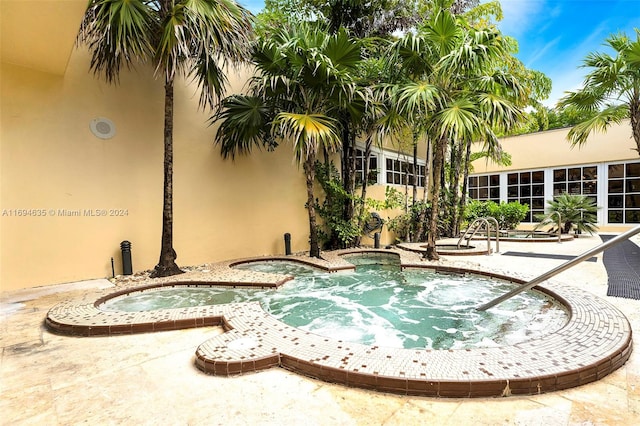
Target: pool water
<point>378,304</point>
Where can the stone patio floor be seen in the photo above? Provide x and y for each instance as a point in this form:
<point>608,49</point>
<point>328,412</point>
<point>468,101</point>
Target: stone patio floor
<point>151,378</point>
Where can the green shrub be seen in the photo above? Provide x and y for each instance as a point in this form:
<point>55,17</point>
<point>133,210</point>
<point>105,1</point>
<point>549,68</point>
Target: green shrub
<point>508,215</point>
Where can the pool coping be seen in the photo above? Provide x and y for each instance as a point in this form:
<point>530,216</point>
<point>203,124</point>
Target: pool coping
<point>596,341</point>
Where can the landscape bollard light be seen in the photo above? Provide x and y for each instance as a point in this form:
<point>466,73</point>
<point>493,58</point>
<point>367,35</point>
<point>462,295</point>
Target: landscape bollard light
<point>376,240</point>
<point>287,244</point>
<point>127,267</point>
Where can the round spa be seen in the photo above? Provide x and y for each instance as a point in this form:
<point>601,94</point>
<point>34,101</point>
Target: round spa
<point>390,325</point>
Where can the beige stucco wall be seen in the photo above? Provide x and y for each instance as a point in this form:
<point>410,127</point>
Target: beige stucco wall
<point>551,148</point>
<point>50,162</point>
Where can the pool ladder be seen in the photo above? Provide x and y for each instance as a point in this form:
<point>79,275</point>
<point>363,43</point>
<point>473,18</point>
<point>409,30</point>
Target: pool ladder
<point>477,225</point>
<point>555,271</point>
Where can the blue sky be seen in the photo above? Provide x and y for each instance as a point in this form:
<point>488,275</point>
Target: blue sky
<point>556,35</point>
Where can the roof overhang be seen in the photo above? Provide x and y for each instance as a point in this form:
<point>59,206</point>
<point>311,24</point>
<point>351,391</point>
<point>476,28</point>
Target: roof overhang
<point>39,34</point>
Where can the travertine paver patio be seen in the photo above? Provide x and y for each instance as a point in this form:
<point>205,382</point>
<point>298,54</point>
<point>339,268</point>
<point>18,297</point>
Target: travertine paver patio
<point>595,342</point>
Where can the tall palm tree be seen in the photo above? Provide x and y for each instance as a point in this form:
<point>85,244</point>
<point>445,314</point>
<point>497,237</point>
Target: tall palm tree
<point>459,92</point>
<point>611,89</point>
<point>196,38</point>
<point>304,78</point>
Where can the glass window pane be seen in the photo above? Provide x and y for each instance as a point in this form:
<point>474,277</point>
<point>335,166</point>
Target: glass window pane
<point>494,193</point>
<point>574,174</point>
<point>396,178</point>
<point>512,179</point>
<point>525,177</point>
<point>589,187</point>
<point>483,193</point>
<point>537,203</point>
<point>483,181</point>
<point>389,164</point>
<point>537,190</point>
<point>512,191</point>
<point>559,175</point>
<point>473,193</point>
<point>574,188</point>
<point>616,171</point>
<point>589,173</point>
<point>389,177</point>
<point>373,163</point>
<point>616,186</point>
<point>632,216</point>
<point>632,201</point>
<point>633,185</point>
<point>633,170</point>
<point>614,216</point>
<point>494,180</point>
<point>537,177</point>
<point>559,188</point>
<point>373,177</point>
<point>615,201</point>
<point>525,191</point>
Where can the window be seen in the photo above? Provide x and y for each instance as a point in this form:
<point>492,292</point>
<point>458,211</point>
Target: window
<point>399,172</point>
<point>623,195</point>
<point>576,180</point>
<point>527,188</point>
<point>373,168</point>
<point>484,188</point>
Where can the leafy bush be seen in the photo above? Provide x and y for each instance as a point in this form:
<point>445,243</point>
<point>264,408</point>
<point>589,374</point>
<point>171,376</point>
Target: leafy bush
<point>336,232</point>
<point>508,215</point>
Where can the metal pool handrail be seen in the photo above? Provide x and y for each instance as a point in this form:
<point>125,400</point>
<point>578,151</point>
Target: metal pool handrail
<point>494,220</point>
<point>473,229</point>
<point>555,271</point>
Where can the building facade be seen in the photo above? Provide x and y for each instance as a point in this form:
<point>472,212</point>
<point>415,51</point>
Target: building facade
<point>544,165</point>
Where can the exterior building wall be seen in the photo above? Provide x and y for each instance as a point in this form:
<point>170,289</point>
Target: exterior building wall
<point>551,148</point>
<point>548,166</point>
<point>68,198</point>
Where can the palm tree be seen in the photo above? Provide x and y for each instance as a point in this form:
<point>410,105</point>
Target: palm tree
<point>194,38</point>
<point>461,94</point>
<point>575,210</point>
<point>611,90</point>
<point>304,79</point>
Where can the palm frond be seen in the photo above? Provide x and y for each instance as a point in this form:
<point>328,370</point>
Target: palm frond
<point>118,32</point>
<point>308,132</point>
<point>244,124</point>
<point>600,122</point>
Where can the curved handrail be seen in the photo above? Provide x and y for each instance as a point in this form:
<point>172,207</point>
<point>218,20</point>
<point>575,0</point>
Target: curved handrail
<point>555,271</point>
<point>475,227</point>
<point>549,216</point>
<point>559,224</point>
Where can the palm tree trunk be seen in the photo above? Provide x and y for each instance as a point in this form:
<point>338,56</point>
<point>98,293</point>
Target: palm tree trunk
<point>363,193</point>
<point>166,265</point>
<point>310,175</point>
<point>456,169</point>
<point>438,162</point>
<point>423,212</point>
<point>465,179</point>
<point>634,115</point>
<point>349,170</point>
